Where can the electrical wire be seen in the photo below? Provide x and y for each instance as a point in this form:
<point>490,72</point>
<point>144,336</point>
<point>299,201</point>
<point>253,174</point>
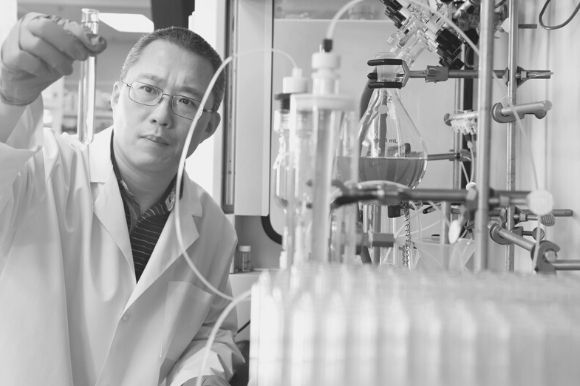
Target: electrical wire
<point>213,334</point>
<point>243,327</point>
<point>528,144</point>
<point>465,174</point>
<point>500,3</point>
<point>558,26</point>
<point>181,169</point>
<point>338,15</point>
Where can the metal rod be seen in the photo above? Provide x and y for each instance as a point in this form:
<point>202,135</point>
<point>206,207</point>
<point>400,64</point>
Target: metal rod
<point>566,265</point>
<point>521,75</point>
<point>376,227</point>
<point>449,157</point>
<point>528,245</point>
<point>457,136</point>
<point>511,129</point>
<point>484,133</point>
<point>527,108</point>
<point>444,230</point>
<point>563,212</point>
<point>229,131</point>
<point>460,196</point>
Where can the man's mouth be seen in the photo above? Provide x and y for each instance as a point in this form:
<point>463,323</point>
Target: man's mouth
<point>156,139</point>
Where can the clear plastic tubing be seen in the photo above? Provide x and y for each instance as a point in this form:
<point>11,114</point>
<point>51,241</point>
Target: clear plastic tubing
<point>87,83</point>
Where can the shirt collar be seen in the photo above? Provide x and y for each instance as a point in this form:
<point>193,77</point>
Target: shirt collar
<point>168,196</point>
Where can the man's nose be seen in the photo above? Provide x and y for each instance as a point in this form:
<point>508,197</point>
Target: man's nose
<point>162,113</point>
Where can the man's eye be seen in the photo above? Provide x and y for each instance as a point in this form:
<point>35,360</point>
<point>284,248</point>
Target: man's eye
<point>147,89</point>
<point>186,102</point>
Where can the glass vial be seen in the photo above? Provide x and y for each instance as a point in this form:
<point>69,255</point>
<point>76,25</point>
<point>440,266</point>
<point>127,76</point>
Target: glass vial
<point>245,254</point>
<point>87,83</point>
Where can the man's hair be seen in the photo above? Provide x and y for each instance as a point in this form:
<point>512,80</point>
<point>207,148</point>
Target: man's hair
<point>187,40</point>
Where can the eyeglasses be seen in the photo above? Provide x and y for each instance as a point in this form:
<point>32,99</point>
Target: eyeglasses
<point>149,95</point>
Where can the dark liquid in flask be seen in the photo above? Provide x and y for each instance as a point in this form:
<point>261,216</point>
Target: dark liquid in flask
<point>406,171</point>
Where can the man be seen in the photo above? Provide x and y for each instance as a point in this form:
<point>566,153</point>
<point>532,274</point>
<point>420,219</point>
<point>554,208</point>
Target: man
<point>94,289</point>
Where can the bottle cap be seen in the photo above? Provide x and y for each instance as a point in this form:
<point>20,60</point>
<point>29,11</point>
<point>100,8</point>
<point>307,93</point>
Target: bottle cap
<point>325,60</point>
<point>295,83</point>
<point>245,248</point>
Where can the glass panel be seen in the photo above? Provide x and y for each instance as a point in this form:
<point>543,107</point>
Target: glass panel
<point>325,9</point>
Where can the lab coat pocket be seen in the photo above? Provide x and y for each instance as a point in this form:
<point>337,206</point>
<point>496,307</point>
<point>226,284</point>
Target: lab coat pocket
<point>186,307</point>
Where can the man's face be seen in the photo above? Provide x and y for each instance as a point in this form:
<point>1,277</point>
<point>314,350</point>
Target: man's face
<point>151,138</point>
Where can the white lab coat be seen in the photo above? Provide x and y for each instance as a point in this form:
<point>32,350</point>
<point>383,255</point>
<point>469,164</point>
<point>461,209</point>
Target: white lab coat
<point>71,312</point>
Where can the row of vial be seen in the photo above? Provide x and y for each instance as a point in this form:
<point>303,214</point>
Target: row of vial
<point>345,325</point>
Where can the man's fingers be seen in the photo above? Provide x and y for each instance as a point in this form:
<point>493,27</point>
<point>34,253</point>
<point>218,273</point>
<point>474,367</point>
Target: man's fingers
<point>15,59</point>
<point>93,43</point>
<point>68,37</point>
<point>58,61</point>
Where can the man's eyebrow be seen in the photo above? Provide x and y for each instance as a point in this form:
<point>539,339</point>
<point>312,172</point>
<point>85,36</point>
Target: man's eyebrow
<point>152,77</point>
<point>192,91</point>
<point>182,89</point>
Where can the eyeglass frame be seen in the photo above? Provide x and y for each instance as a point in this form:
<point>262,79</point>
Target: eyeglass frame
<point>160,97</point>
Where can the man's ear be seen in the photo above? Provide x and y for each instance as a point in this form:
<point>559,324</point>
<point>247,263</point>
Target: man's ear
<point>115,94</point>
<point>212,125</point>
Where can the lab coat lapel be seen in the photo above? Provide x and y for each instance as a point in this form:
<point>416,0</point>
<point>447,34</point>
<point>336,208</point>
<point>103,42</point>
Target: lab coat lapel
<point>108,203</point>
<point>168,249</point>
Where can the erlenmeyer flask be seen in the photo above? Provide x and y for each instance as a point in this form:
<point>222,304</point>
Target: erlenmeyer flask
<point>391,147</point>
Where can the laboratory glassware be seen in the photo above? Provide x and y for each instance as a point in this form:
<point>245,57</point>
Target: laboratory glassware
<point>87,83</point>
<point>339,324</point>
<point>391,147</point>
<point>317,121</point>
<point>282,173</point>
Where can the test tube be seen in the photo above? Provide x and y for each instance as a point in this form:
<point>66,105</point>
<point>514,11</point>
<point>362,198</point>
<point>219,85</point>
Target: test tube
<point>87,83</point>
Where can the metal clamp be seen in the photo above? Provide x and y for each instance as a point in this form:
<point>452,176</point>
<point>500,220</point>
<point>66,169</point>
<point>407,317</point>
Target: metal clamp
<point>398,80</point>
<point>547,255</point>
<point>547,250</point>
<point>503,114</point>
<point>535,233</point>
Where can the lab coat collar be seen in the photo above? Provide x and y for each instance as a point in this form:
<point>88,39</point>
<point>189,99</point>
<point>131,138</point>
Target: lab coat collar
<point>100,157</point>
<point>168,249</point>
<point>108,205</point>
<point>109,209</point>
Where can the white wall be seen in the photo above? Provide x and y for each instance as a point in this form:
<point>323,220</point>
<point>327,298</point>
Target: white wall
<point>7,17</point>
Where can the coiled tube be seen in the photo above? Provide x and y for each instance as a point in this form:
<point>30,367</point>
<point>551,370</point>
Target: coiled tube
<point>408,241</point>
